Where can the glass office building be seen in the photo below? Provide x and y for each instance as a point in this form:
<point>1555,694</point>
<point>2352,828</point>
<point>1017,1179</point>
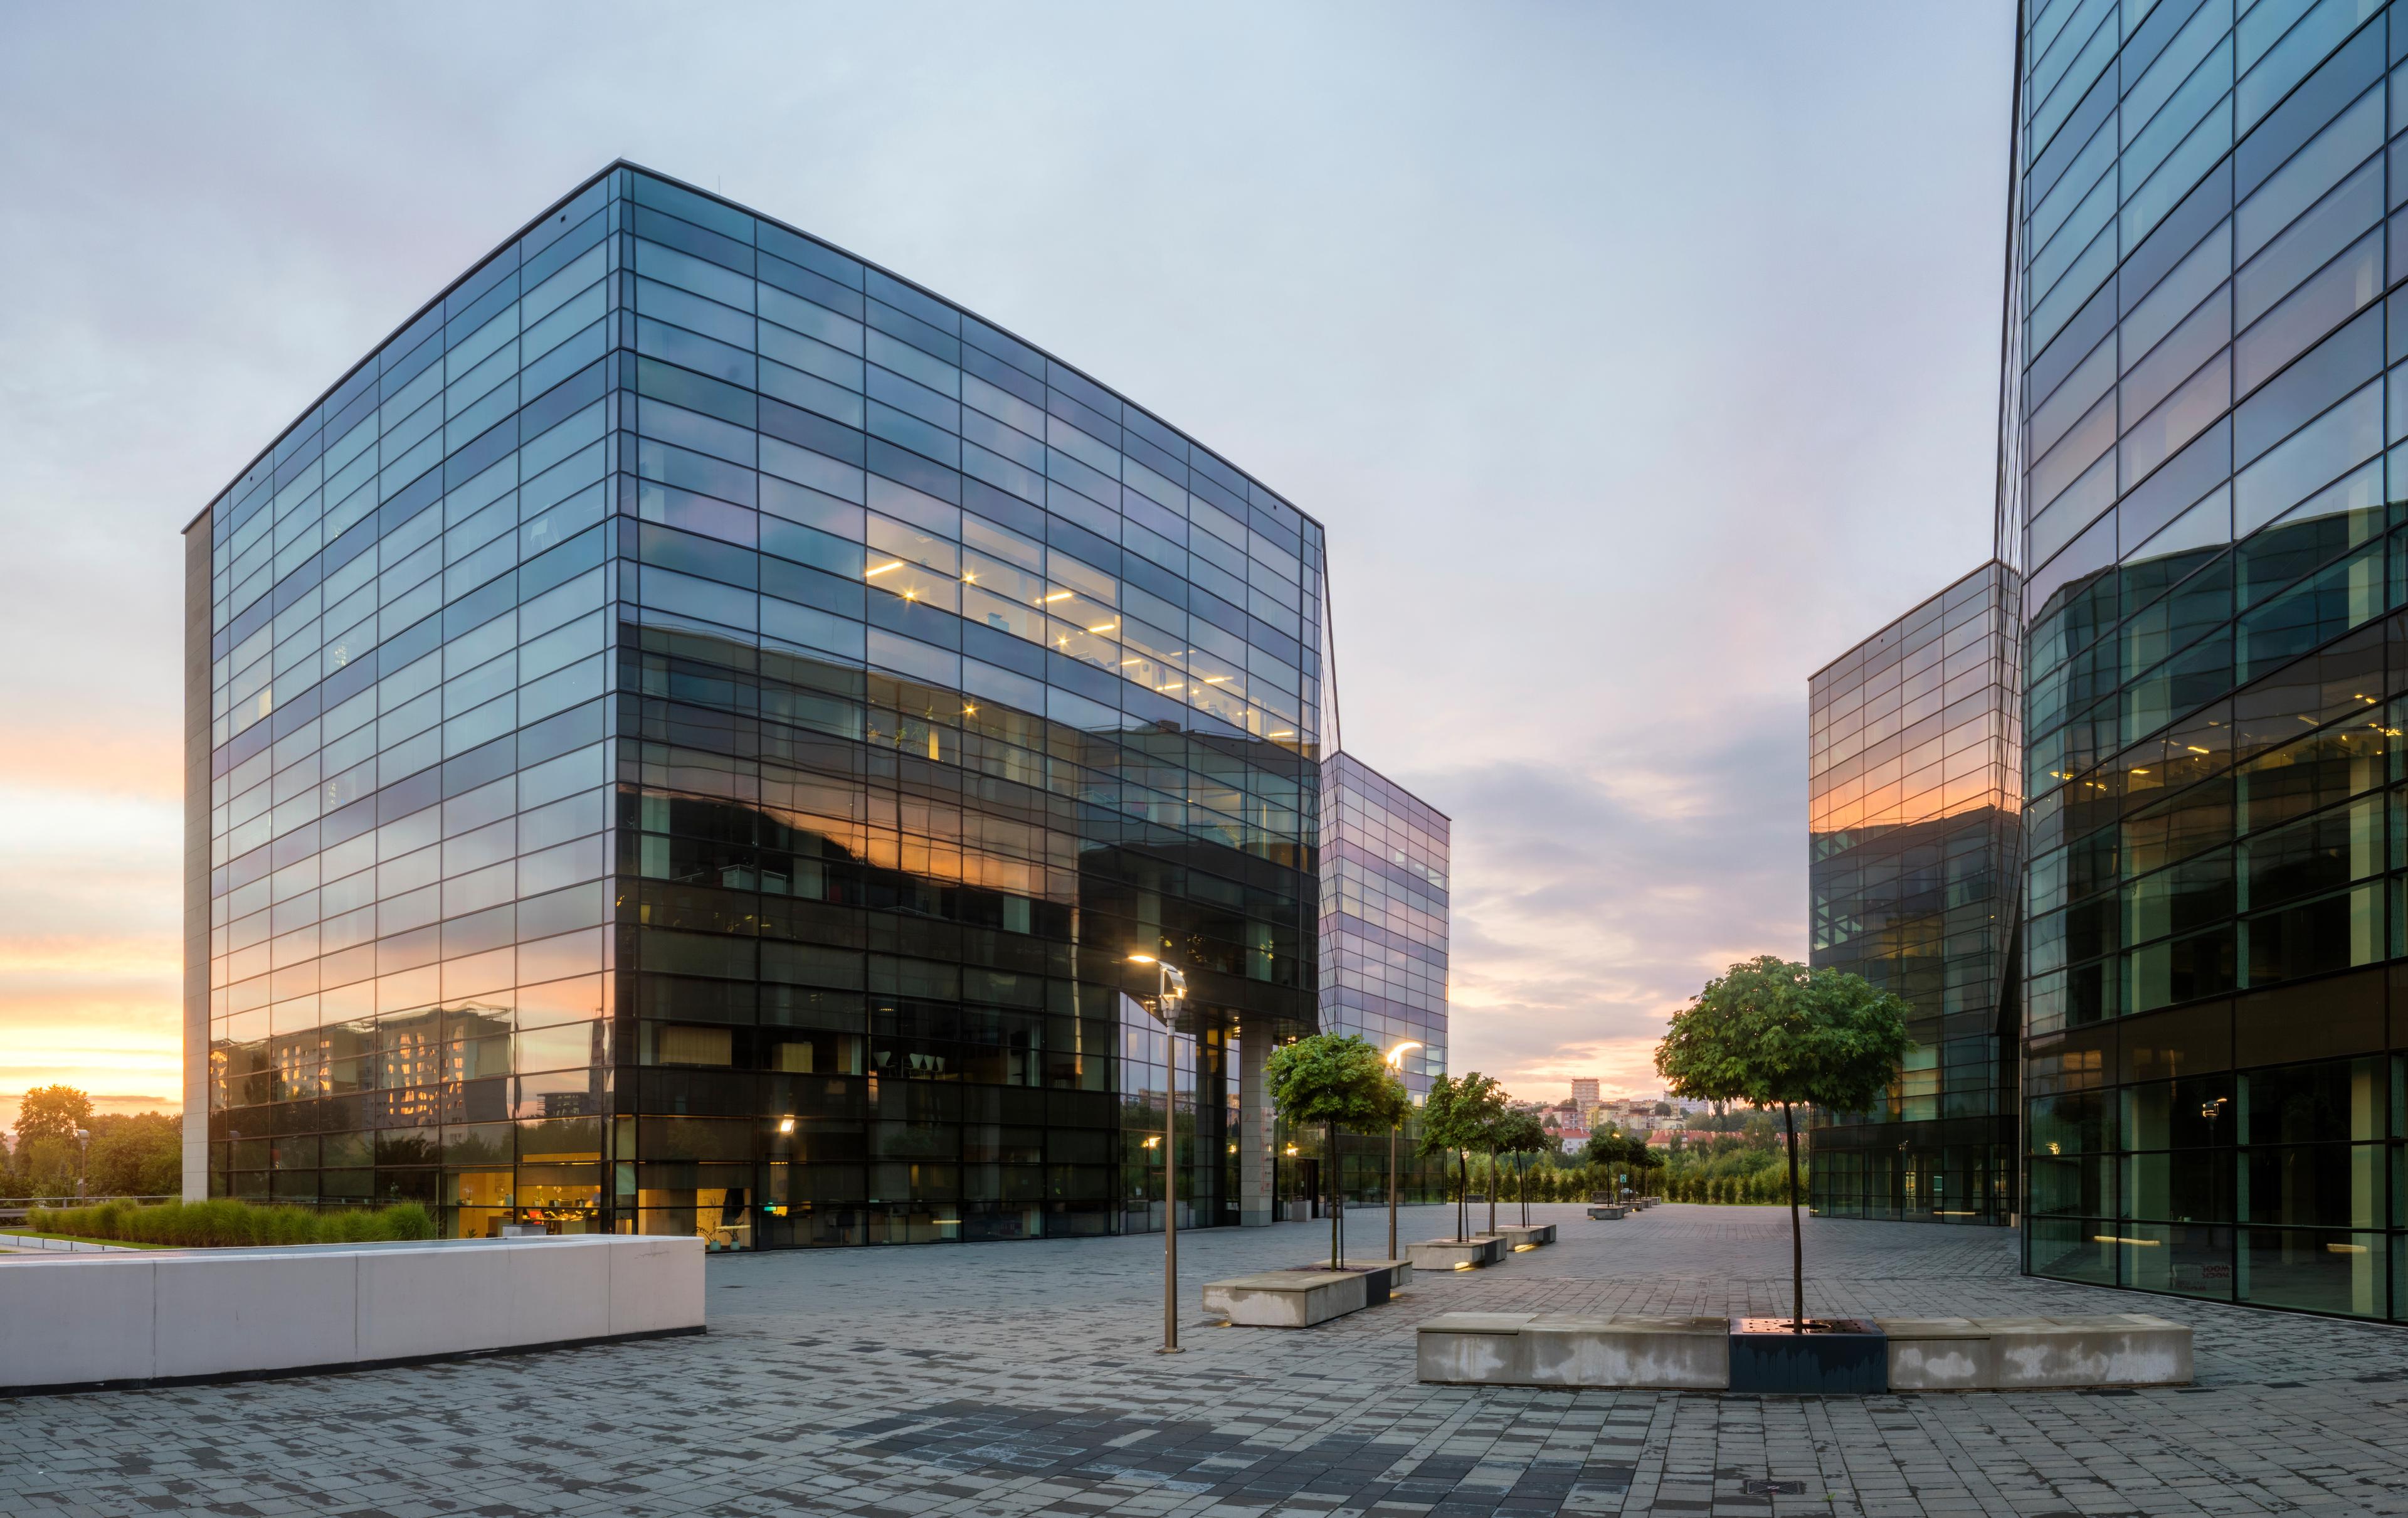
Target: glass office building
<point>1383,916</point>
<point>1914,872</point>
<point>2199,481</point>
<point>686,737</point>
<point>1384,939</point>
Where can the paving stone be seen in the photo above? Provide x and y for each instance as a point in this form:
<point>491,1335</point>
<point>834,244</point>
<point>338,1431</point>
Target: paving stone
<point>1017,1379</point>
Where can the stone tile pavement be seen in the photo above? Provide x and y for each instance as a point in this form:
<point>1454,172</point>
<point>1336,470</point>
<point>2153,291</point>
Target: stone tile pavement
<point>1020,1379</point>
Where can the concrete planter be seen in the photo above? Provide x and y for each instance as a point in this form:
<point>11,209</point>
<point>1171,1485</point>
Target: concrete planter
<point>1526,1236</point>
<point>82,1321</point>
<point>1288,1298</point>
<point>1456,1253</point>
<point>1523,1349</point>
<point>1839,1355</point>
<point>1607,1214</point>
<point>1899,1354</point>
<point>1980,1354</point>
<point>1382,1278</point>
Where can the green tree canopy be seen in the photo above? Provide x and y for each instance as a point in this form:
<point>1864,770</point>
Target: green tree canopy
<point>1334,1078</point>
<point>1772,1033</point>
<point>1341,1082</point>
<point>1456,1119</point>
<point>53,1112</point>
<point>1521,1132</point>
<point>142,1155</point>
<point>1612,1147</point>
<point>1495,1134</point>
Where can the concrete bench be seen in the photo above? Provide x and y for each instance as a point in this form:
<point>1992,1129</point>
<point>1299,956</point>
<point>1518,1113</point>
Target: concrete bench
<point>1524,1349</point>
<point>1980,1354</point>
<point>1923,1354</point>
<point>1456,1253</point>
<point>1526,1236</point>
<point>1607,1214</point>
<point>1288,1298</point>
<point>1382,1278</point>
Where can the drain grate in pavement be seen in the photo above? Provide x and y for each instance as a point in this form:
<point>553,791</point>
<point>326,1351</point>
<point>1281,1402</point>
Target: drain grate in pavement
<point>1773,1488</point>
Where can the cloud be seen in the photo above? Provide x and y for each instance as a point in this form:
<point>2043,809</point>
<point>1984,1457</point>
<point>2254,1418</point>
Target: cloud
<point>1636,360</point>
<point>1593,895</point>
<point>131,760</point>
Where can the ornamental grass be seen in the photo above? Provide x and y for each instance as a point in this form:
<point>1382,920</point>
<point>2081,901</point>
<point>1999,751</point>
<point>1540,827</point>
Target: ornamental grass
<point>225,1223</point>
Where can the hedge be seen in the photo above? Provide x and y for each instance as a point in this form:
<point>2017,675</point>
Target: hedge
<point>1759,1188</point>
<point>225,1224</point>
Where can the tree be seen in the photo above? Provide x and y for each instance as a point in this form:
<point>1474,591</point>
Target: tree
<point>1772,1033</point>
<point>45,1167</point>
<point>1495,1129</point>
<point>142,1155</point>
<point>53,1112</point>
<point>1339,1081</point>
<point>1622,1157</point>
<point>1454,1120</point>
<point>1524,1134</point>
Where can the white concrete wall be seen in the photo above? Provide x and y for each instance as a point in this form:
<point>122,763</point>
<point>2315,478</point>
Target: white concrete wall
<point>78,1319</point>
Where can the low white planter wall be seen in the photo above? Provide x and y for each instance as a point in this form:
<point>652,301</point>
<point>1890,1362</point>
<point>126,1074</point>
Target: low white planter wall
<point>85,1321</point>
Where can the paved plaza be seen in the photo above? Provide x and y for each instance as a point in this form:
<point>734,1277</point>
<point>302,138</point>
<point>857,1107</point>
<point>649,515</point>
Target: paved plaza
<point>1020,1379</point>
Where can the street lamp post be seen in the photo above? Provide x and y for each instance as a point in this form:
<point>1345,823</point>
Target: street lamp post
<point>1170,987</point>
<point>84,1155</point>
<point>1395,1059</point>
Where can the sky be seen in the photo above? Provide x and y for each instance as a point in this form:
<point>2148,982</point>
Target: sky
<point>1638,358</point>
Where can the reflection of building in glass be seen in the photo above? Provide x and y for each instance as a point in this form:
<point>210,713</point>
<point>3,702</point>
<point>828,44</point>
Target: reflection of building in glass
<point>1914,867</point>
<point>686,737</point>
<point>2198,491</point>
<point>1383,916</point>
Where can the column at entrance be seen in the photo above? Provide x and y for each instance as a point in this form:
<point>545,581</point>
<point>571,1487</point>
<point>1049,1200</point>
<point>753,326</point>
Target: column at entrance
<point>1254,1134</point>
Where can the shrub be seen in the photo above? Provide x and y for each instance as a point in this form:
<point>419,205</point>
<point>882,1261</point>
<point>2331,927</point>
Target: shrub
<point>224,1223</point>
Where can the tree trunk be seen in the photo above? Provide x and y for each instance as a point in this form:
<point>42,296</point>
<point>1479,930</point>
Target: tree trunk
<point>1462,1194</point>
<point>1797,1248</point>
<point>1336,1205</point>
<point>1492,1191</point>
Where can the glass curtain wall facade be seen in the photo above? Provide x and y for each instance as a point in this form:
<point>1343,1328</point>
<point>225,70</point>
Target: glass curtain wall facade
<point>1383,940</point>
<point>1383,916</point>
<point>2200,487</point>
<point>1915,870</point>
<point>691,729</point>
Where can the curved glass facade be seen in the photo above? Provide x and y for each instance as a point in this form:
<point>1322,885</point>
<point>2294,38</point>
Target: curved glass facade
<point>2201,492</point>
<point>687,735</point>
